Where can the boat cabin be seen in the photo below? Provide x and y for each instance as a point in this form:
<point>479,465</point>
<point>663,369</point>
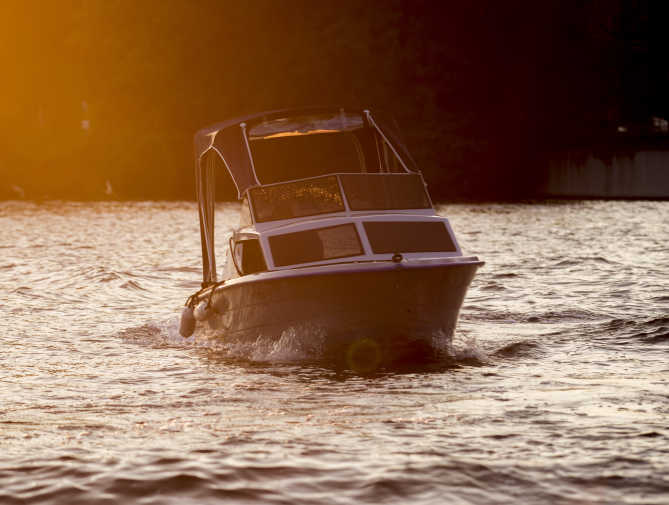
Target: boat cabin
<point>318,186</point>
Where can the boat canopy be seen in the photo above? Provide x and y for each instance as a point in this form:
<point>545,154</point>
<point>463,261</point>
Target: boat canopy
<point>275,147</point>
<point>243,143</point>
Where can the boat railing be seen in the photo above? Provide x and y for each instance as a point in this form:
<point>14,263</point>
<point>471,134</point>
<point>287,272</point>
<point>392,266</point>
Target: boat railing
<point>338,193</point>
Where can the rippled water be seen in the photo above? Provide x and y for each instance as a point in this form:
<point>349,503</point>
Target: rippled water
<point>556,389</point>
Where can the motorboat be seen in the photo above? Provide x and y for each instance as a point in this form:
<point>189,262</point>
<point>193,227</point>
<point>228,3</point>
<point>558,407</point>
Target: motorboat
<point>337,234</point>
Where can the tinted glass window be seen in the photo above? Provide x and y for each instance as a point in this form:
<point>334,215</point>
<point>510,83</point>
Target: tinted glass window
<point>315,245</point>
<point>296,199</point>
<point>385,192</point>
<point>408,236</point>
<point>249,257</point>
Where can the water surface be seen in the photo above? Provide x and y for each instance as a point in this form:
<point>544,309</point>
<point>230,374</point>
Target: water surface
<point>554,391</point>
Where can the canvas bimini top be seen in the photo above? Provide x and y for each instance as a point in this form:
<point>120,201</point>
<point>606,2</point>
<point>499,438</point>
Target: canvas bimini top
<point>270,146</point>
<point>262,152</point>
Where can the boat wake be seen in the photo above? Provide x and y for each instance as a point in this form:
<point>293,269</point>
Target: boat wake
<point>302,343</point>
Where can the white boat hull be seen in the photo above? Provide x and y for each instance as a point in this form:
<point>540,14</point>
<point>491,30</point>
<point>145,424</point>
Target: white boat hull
<point>390,311</point>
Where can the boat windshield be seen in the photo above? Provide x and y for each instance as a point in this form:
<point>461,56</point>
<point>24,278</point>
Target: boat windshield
<point>297,199</point>
<point>385,191</point>
<point>322,195</point>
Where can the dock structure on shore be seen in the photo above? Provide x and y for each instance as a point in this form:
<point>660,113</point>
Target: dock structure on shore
<point>621,167</point>
<point>644,174</point>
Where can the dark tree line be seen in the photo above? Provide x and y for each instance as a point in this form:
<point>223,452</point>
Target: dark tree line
<point>112,90</point>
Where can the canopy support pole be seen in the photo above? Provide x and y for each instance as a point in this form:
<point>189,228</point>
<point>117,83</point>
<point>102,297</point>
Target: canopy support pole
<point>248,150</point>
<point>205,187</point>
<point>368,115</point>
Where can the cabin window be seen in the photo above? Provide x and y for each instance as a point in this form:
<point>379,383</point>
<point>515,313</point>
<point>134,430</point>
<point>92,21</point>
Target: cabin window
<point>385,192</point>
<point>248,257</point>
<point>408,237</point>
<point>315,245</point>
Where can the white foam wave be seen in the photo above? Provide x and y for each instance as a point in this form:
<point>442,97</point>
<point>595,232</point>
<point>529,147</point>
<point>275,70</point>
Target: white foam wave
<point>299,343</point>
<point>461,347</point>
